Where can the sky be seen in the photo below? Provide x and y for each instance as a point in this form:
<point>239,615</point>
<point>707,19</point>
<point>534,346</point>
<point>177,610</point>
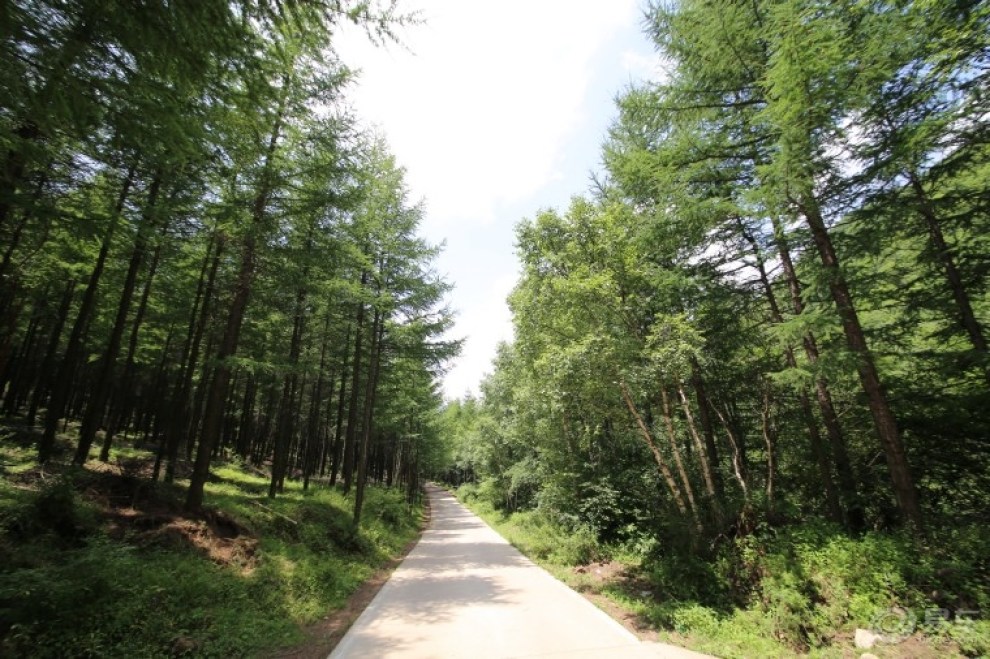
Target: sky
<point>497,109</point>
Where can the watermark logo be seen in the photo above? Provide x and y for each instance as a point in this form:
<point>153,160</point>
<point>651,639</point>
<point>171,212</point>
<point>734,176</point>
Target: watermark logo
<point>893,625</point>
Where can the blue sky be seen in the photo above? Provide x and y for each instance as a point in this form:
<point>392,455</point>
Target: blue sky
<point>496,110</point>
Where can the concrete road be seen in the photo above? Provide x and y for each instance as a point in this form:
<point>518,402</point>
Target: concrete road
<point>464,591</point>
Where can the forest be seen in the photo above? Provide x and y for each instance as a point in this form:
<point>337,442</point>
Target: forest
<point>752,360</point>
<point>206,259</point>
<point>749,375</point>
<point>202,249</point>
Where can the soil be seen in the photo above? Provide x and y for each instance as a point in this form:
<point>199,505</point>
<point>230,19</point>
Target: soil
<point>323,636</point>
<point>145,514</point>
<point>592,578</point>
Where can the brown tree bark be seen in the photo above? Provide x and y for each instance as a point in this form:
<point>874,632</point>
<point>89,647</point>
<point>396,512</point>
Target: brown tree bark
<point>217,393</point>
<point>770,441</point>
<point>883,416</point>
<point>101,391</point>
<point>313,434</point>
<point>73,351</point>
<point>124,395</point>
<point>374,366</point>
<point>668,419</point>
<point>840,453</point>
<point>818,449</point>
<point>350,436</point>
<point>967,318</point>
<point>286,422</point>
<point>706,465</point>
<point>338,439</point>
<point>647,436</point>
<point>47,364</point>
<point>179,422</point>
<point>707,427</point>
<point>738,461</point>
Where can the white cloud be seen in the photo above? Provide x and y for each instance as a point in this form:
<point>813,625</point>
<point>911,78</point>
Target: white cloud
<point>484,324</point>
<point>480,111</point>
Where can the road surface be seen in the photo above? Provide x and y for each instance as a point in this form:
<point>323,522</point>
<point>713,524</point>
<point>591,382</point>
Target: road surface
<point>464,591</point>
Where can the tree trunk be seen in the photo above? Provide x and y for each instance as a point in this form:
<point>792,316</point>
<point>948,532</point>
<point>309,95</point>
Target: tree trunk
<point>350,437</point>
<point>833,429</point>
<point>16,372</point>
<point>180,423</point>
<point>707,427</point>
<point>676,452</point>
<point>668,476</point>
<point>337,446</point>
<point>738,461</point>
<point>125,395</point>
<point>13,169</point>
<point>770,440</point>
<point>959,295</point>
<point>217,393</point>
<point>883,416</point>
<point>101,392</point>
<point>45,380</point>
<point>61,386</point>
<point>374,365</point>
<point>818,450</point>
<point>706,465</point>
<point>313,435</point>
<point>286,424</point>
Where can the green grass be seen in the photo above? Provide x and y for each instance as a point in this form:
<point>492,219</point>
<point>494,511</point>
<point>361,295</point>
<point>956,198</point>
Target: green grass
<point>538,538</point>
<point>72,586</point>
<point>797,591</point>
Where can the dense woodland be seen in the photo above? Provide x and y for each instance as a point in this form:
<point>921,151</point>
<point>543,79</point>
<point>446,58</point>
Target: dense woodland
<point>754,356</point>
<point>203,251</point>
<point>771,309</point>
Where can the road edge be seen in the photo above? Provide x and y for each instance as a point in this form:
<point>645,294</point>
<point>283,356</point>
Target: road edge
<point>321,638</point>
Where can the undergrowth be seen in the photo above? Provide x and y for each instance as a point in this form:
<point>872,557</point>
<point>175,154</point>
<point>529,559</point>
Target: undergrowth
<point>81,578</point>
<point>790,591</point>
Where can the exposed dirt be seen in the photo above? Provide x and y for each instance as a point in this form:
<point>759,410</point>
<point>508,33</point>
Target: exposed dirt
<point>145,514</point>
<point>142,514</point>
<point>591,579</point>
<point>212,534</point>
<point>323,636</point>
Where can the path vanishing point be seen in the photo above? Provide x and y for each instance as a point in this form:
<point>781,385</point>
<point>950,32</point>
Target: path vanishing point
<point>464,591</point>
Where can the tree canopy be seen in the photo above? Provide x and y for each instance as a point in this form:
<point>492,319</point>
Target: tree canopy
<point>201,247</point>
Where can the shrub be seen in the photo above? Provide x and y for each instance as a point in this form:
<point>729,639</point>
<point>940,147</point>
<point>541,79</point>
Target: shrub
<point>468,492</point>
<point>576,548</point>
<point>695,618</point>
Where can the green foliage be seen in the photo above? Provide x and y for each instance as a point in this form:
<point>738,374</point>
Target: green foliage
<point>54,514</point>
<point>89,594</point>
<point>972,636</point>
<point>775,593</point>
<point>536,535</point>
<point>107,599</point>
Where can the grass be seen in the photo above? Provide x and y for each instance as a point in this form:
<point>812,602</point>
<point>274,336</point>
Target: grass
<point>797,591</point>
<point>101,563</point>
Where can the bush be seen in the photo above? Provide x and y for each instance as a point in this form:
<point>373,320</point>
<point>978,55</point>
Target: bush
<point>798,588</point>
<point>68,589</point>
<point>695,618</point>
<point>576,548</point>
<point>467,493</point>
<point>110,600</point>
<point>54,510</point>
<point>973,637</point>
